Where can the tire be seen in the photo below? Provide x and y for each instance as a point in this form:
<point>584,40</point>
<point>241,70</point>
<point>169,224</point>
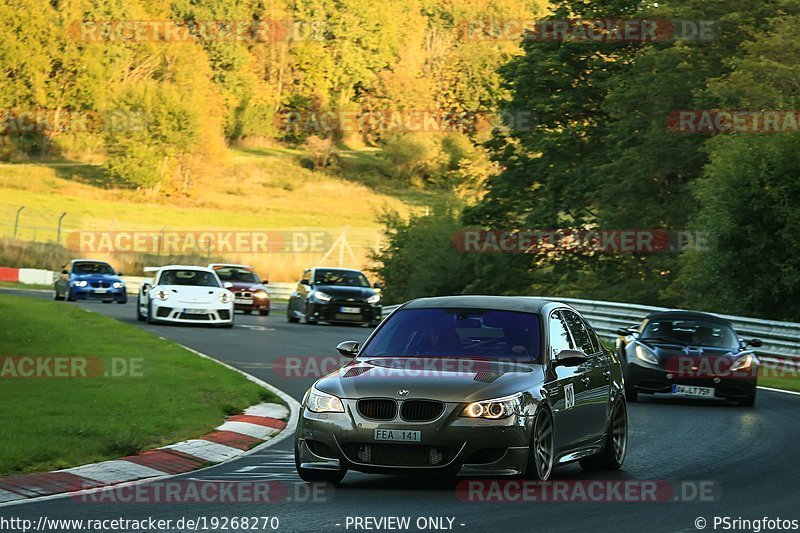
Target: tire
<point>56,297</point>
<point>616,442</point>
<point>107,301</point>
<point>311,476</point>
<point>248,311</point>
<point>68,296</point>
<point>541,452</point>
<point>264,312</point>
<point>291,318</point>
<point>749,401</point>
<point>139,316</point>
<point>150,319</point>
<point>311,321</point>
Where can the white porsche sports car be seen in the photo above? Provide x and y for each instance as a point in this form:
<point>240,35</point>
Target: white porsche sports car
<point>186,295</point>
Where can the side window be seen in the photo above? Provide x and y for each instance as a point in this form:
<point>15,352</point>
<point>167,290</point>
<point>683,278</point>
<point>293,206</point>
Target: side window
<point>580,332</point>
<point>559,336</point>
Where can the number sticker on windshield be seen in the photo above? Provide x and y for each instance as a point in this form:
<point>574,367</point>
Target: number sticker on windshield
<point>569,395</point>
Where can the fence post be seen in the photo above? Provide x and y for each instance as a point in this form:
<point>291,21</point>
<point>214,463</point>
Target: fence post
<point>58,236</point>
<point>16,221</point>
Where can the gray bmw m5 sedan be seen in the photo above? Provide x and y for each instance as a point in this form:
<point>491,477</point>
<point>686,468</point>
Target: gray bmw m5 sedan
<point>468,386</point>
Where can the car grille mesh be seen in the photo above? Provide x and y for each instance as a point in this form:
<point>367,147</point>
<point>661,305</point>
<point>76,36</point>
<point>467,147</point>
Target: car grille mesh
<point>421,410</point>
<point>399,454</point>
<point>378,408</point>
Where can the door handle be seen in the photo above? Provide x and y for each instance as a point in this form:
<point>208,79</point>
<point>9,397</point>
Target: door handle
<point>585,380</point>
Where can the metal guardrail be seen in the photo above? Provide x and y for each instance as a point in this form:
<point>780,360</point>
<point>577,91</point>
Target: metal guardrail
<point>781,339</point>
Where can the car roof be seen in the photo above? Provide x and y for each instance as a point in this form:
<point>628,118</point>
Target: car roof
<point>185,267</point>
<point>90,261</point>
<point>691,315</point>
<point>336,268</point>
<point>216,265</point>
<point>524,304</point>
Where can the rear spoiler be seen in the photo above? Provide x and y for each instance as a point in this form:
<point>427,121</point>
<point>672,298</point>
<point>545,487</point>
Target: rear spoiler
<point>152,269</point>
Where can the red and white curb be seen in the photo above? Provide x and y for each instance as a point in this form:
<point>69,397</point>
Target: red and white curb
<point>239,434</point>
<point>260,426</point>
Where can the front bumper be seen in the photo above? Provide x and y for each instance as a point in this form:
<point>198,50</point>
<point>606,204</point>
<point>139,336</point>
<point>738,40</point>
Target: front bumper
<point>333,312</point>
<point>450,445</point>
<point>177,312</point>
<point>655,380</point>
<point>103,294</point>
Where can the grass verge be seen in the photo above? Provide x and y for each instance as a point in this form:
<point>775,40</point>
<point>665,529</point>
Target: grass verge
<point>148,392</point>
<point>777,378</point>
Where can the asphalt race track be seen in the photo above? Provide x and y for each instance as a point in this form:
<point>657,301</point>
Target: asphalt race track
<point>749,456</point>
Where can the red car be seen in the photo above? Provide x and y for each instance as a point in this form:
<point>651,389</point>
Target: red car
<point>250,293</point>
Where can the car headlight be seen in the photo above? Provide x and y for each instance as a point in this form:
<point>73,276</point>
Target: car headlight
<point>80,283</point>
<point>744,362</point>
<point>118,285</point>
<point>646,355</point>
<point>162,294</point>
<point>225,297</point>
<point>319,402</point>
<point>322,297</point>
<point>261,294</point>
<point>493,409</point>
<point>375,298</point>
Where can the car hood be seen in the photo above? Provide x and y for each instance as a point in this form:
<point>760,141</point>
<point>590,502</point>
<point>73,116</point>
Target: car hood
<point>189,294</point>
<point>111,278</point>
<point>445,379</point>
<point>248,286</point>
<point>342,292</point>
<point>703,359</point>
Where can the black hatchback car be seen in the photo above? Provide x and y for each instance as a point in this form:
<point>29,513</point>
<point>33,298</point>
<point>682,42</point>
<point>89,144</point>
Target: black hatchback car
<point>335,295</point>
<point>688,354</point>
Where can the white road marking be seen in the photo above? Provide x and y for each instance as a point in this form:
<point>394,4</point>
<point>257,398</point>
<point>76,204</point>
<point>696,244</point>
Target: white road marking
<point>114,471</point>
<point>209,451</point>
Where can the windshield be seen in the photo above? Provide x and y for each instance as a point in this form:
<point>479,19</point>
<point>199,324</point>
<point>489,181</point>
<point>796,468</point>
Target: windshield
<point>196,278</point>
<point>480,333</point>
<point>347,278</point>
<point>690,332</point>
<point>93,268</point>
<point>233,274</point>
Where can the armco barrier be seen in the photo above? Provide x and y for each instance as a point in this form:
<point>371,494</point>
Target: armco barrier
<point>781,339</point>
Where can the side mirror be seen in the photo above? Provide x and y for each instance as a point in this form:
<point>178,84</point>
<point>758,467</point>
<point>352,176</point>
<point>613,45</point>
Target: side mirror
<point>120,274</point>
<point>227,284</point>
<point>65,272</point>
<point>348,348</point>
<point>305,282</point>
<point>755,343</point>
<point>570,358</point>
<point>265,281</point>
<point>623,331</point>
<point>377,285</point>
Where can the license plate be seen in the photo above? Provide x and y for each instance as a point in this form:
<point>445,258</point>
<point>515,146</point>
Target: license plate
<point>100,291</point>
<point>349,309</point>
<point>243,300</point>
<point>195,311</point>
<point>690,390</point>
<point>401,435</point>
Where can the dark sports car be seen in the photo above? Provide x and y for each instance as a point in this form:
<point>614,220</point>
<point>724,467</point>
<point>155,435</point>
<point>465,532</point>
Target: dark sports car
<point>690,354</point>
<point>468,385</point>
<point>335,295</point>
